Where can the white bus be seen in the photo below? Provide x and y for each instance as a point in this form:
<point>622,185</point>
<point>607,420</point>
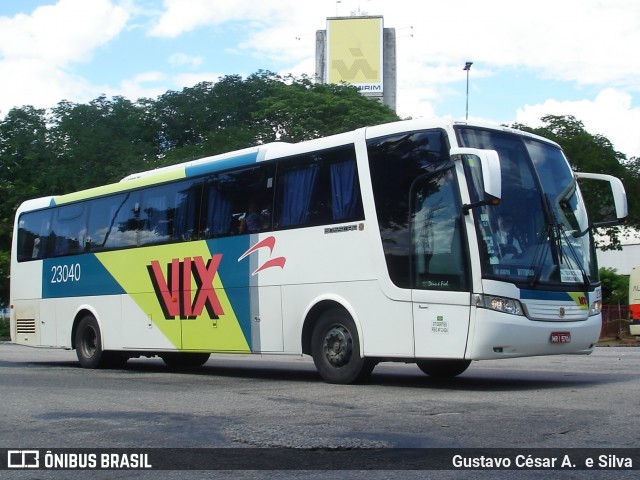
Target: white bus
<point>389,243</point>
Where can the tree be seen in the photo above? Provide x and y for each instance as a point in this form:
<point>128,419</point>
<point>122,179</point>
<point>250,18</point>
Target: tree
<point>24,158</point>
<point>234,113</point>
<point>99,142</point>
<point>615,287</point>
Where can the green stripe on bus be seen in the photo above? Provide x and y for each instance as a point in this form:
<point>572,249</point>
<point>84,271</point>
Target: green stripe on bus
<point>166,176</point>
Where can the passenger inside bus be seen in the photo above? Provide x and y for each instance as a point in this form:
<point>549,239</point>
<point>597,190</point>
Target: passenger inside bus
<point>507,237</point>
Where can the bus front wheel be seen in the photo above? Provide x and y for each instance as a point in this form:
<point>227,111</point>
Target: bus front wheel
<point>443,368</point>
<point>335,348</point>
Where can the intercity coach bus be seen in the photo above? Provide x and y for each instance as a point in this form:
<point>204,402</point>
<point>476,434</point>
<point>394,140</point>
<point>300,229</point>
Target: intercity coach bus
<point>423,242</point>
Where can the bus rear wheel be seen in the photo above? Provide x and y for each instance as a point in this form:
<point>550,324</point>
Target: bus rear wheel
<point>89,343</point>
<point>443,368</point>
<point>335,348</point>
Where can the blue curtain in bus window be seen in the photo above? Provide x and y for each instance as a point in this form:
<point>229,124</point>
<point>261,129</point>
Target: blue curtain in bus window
<point>218,213</point>
<point>343,190</point>
<point>298,190</point>
<point>155,219</point>
<point>185,216</point>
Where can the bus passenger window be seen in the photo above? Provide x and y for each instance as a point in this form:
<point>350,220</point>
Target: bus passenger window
<point>238,202</point>
<point>33,235</point>
<point>69,230</point>
<point>320,188</point>
<point>113,222</point>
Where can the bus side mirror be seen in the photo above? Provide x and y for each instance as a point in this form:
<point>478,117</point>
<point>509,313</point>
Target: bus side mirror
<point>484,167</point>
<point>616,192</point>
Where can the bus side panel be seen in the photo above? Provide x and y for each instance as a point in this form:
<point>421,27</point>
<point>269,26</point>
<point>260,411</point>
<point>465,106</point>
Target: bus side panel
<point>63,311</point>
<point>385,326</point>
<point>139,330</point>
<point>26,323</point>
<point>266,319</point>
<point>336,263</point>
<point>26,326</point>
<point>196,294</point>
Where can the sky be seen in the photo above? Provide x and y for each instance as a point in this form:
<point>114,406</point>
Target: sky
<point>530,59</point>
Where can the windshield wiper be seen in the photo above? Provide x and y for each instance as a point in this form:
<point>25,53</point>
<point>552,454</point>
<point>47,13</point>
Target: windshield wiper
<point>539,257</point>
<point>576,258</point>
<point>557,239</point>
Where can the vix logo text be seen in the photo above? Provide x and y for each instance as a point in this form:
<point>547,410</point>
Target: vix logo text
<point>174,290</point>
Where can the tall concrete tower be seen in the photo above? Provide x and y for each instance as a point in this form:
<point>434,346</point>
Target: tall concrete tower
<point>358,50</point>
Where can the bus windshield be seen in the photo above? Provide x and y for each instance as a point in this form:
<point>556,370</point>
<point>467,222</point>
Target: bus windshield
<point>539,234</point>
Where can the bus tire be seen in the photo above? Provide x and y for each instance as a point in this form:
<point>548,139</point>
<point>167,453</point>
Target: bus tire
<point>443,368</point>
<point>184,359</point>
<point>335,348</point>
<point>88,341</point>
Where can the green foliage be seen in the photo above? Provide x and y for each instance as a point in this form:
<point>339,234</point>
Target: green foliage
<point>615,287</point>
<point>4,328</point>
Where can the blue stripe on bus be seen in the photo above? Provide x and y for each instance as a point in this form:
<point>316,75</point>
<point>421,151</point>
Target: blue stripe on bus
<point>235,277</point>
<point>77,276</point>
<point>223,164</point>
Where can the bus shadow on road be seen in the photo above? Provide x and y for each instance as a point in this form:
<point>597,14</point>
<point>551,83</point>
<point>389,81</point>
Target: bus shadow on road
<point>385,375</point>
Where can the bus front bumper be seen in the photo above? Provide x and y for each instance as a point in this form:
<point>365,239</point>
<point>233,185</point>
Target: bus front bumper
<point>500,335</point>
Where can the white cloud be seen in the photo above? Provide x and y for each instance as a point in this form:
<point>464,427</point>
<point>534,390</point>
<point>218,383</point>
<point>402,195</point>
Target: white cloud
<point>609,114</point>
<point>182,59</point>
<point>182,16</point>
<point>586,41</point>
<point>62,33</point>
<point>39,84</point>
<point>36,50</point>
<point>143,85</point>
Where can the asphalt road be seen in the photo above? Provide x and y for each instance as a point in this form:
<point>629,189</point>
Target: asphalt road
<point>49,402</point>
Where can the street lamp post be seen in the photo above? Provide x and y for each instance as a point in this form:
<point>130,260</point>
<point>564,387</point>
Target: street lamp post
<point>467,67</point>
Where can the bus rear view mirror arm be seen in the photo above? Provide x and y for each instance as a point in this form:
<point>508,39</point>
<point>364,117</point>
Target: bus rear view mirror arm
<point>484,168</point>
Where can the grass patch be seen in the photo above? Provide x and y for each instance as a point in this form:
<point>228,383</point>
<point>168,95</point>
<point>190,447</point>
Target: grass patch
<point>4,329</point>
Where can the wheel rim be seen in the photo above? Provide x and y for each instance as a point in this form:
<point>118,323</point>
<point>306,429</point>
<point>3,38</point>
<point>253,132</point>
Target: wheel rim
<point>337,346</point>
<point>89,342</point>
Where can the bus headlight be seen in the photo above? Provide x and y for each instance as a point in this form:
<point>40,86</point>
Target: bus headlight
<point>500,304</point>
<point>596,308</point>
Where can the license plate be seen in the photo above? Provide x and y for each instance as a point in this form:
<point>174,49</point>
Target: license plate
<point>561,337</point>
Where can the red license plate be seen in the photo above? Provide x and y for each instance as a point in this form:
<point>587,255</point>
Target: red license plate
<point>560,337</point>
